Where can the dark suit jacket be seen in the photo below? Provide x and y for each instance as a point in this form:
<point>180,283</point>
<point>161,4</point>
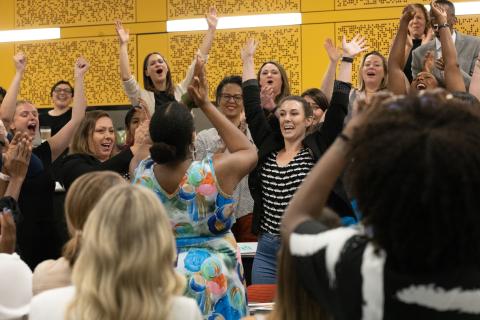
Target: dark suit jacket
<point>467,47</point>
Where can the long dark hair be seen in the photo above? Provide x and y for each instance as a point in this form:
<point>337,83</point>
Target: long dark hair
<point>147,81</point>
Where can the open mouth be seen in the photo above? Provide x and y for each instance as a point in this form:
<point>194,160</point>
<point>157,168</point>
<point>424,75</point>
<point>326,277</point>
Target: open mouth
<point>32,126</point>
<point>106,146</point>
<point>270,81</point>
<point>421,86</point>
<point>159,71</point>
<point>288,128</point>
<point>371,74</point>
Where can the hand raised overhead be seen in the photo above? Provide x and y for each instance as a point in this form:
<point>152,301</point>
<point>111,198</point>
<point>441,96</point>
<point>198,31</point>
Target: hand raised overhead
<point>198,88</point>
<point>354,47</point>
<point>81,67</point>
<point>20,60</point>
<point>122,33</point>
<point>212,19</point>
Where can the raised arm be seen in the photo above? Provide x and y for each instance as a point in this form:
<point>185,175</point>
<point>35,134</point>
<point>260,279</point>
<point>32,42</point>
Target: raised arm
<point>230,167</point>
<point>337,111</point>
<point>123,37</point>
<point>349,51</point>
<point>59,142</point>
<point>7,109</point>
<point>453,76</point>
<point>203,51</point>
<point>334,55</point>
<point>396,77</point>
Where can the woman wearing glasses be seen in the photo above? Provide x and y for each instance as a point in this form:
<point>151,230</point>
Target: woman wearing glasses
<point>229,100</point>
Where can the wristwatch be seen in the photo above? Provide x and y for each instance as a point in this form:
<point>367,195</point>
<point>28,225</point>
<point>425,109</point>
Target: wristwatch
<point>443,25</point>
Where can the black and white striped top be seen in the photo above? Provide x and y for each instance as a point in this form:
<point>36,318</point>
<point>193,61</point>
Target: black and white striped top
<point>278,186</point>
<point>352,279</point>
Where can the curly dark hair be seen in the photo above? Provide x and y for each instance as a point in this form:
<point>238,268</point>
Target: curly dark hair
<point>416,175</point>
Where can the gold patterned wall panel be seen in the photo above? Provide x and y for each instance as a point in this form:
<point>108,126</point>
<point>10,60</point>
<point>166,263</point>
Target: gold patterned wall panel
<point>379,35</point>
<point>31,13</point>
<point>469,25</point>
<point>51,61</point>
<point>282,44</point>
<point>363,4</point>
<point>178,9</point>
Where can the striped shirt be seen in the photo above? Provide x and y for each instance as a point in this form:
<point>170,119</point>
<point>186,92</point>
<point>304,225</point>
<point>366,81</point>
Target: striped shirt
<point>278,186</point>
<point>351,278</point>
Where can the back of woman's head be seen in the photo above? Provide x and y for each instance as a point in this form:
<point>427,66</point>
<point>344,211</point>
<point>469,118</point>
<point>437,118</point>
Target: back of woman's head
<point>82,196</point>
<point>125,269</point>
<point>318,96</point>
<point>171,130</point>
<point>81,138</point>
<point>416,174</point>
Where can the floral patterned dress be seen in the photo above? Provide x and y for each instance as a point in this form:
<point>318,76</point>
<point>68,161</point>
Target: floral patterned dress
<point>201,216</point>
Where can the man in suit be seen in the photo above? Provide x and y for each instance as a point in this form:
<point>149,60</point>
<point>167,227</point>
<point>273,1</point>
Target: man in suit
<point>467,47</point>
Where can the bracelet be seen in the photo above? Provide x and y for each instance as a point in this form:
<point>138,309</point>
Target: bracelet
<point>347,59</point>
<point>344,137</point>
<point>443,25</point>
<point>4,177</point>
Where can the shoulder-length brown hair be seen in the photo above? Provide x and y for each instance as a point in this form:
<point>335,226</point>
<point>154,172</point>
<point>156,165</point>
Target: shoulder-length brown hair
<point>147,81</point>
<point>285,90</point>
<point>80,142</point>
<point>383,84</point>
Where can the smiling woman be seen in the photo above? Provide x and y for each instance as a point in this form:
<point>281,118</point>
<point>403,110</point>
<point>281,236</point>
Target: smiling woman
<point>93,149</point>
<point>37,236</point>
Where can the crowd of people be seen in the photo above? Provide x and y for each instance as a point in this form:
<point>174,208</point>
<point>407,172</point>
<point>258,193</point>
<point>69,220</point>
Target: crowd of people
<point>362,200</point>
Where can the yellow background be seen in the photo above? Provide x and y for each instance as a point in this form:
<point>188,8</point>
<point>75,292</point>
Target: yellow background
<point>87,29</point>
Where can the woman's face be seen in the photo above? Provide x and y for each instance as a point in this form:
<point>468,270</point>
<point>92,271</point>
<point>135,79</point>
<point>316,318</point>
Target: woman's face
<point>62,96</point>
<point>417,25</point>
<point>372,71</point>
<point>103,139</point>
<point>293,123</point>
<point>317,111</point>
<point>271,76</point>
<point>25,119</point>
<point>138,117</point>
<point>424,80</point>
<point>157,68</point>
<point>231,101</point>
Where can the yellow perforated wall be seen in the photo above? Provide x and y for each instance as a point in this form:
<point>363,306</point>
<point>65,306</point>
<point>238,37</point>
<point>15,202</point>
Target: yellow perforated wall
<point>31,13</point>
<point>51,61</point>
<point>359,4</point>
<point>281,44</point>
<point>178,9</point>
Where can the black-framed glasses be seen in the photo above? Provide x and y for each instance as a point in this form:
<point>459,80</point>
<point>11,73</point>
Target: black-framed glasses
<point>64,90</point>
<point>237,98</point>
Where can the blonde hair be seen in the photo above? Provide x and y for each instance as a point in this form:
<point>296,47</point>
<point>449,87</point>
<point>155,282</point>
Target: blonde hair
<point>125,268</point>
<point>82,196</point>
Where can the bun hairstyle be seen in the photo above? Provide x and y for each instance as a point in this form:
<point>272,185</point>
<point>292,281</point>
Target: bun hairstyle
<point>171,131</point>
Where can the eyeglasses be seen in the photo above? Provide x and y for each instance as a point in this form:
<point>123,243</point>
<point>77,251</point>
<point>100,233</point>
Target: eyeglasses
<point>60,90</point>
<point>237,98</point>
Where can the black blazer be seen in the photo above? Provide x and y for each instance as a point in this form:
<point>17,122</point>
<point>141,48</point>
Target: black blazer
<point>268,140</point>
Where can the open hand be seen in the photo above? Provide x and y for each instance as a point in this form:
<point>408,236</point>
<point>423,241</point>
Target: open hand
<point>334,53</point>
<point>428,62</point>
<point>248,50</point>
<point>354,47</point>
<point>407,15</point>
<point>439,64</point>
<point>438,12</point>
<point>122,33</point>
<point>198,88</point>
<point>212,19</point>
<point>18,164</point>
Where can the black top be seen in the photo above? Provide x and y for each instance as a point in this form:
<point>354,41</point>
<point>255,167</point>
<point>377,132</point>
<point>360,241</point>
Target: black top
<point>269,140</point>
<point>55,122</point>
<point>37,237</point>
<point>161,97</point>
<point>355,280</point>
<point>75,165</point>
<point>408,65</point>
